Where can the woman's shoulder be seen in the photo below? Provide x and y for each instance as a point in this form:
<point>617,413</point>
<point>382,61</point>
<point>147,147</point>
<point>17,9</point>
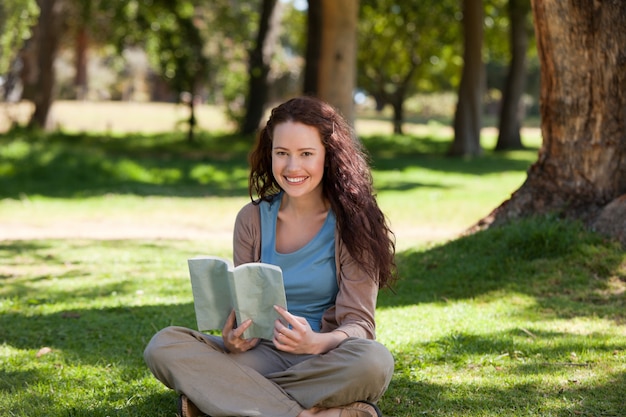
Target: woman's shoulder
<point>248,211</point>
<point>251,211</point>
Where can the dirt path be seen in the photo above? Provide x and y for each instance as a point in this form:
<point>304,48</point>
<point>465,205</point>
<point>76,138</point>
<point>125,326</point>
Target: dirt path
<point>217,234</point>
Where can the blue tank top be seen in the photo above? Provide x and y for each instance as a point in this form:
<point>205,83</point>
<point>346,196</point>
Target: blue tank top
<point>309,274</point>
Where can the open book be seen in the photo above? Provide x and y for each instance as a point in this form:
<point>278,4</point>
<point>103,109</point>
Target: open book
<point>250,289</point>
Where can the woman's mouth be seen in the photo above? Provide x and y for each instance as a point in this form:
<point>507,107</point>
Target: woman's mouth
<point>295,180</point>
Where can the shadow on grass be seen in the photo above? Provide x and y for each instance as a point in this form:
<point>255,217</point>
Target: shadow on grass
<point>407,398</point>
<point>109,339</point>
<point>568,271</point>
<point>113,339</point>
<point>509,373</point>
<point>70,166</point>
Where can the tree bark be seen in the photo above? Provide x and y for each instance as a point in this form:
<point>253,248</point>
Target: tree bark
<point>510,118</point>
<point>581,167</point>
<point>313,47</point>
<point>468,114</point>
<point>48,34</point>
<point>337,66</point>
<point>259,66</point>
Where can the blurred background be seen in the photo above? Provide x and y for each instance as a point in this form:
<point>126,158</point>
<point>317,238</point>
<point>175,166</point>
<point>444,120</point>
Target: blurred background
<point>388,60</point>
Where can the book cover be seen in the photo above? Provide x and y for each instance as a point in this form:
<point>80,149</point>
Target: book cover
<point>251,289</point>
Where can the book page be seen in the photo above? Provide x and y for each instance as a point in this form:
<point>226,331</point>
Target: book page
<point>257,287</point>
<point>211,291</point>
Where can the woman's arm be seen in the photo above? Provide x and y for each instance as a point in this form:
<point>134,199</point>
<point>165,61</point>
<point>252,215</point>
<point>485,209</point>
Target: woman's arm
<point>247,235</point>
<point>355,306</point>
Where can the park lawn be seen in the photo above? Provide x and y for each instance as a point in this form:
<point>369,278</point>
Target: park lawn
<point>525,320</point>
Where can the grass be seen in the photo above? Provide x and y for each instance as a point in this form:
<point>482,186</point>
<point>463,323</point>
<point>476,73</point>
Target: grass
<point>523,320</point>
<point>527,320</point>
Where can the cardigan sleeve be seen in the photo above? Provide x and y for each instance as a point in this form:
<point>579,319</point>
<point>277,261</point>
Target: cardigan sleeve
<point>355,306</point>
<point>247,235</point>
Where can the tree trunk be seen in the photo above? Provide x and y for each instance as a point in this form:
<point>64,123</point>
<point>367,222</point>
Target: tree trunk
<point>468,115</point>
<point>337,68</point>
<point>581,168</point>
<point>313,47</point>
<point>80,79</point>
<point>48,34</point>
<point>191,133</point>
<point>398,113</point>
<point>260,63</point>
<point>510,117</point>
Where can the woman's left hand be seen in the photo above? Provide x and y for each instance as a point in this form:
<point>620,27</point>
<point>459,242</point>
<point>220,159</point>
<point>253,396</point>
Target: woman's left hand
<point>300,338</point>
<point>297,338</point>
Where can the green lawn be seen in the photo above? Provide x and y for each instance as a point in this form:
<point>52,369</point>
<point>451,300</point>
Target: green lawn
<point>525,320</point>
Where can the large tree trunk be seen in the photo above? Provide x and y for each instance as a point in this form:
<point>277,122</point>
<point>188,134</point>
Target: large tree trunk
<point>510,117</point>
<point>337,66</point>
<point>260,63</point>
<point>468,115</point>
<point>47,36</point>
<point>313,47</point>
<point>581,169</point>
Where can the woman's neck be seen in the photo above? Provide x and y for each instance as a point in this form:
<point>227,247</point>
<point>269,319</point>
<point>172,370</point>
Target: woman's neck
<point>309,205</point>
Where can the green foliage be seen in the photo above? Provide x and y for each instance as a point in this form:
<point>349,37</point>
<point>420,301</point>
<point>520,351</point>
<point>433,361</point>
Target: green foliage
<point>175,42</point>
<point>400,39</point>
<point>197,47</point>
<point>16,19</point>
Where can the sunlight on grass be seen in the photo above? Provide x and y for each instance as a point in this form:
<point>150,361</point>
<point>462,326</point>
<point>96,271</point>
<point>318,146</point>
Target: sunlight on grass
<point>462,345</point>
<point>95,231</point>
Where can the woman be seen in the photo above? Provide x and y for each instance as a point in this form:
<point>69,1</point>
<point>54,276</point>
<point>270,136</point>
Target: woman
<point>317,218</point>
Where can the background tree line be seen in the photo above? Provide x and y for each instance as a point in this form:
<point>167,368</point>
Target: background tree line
<point>234,50</point>
<point>246,54</point>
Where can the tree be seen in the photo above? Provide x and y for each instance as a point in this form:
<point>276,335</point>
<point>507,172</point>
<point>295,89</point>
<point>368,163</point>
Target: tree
<point>313,47</point>
<point>16,19</point>
<point>468,114</point>
<point>402,46</point>
<point>87,24</point>
<point>259,65</point>
<point>47,36</point>
<point>336,73</point>
<point>176,39</point>
<point>510,118</point>
<point>581,168</point>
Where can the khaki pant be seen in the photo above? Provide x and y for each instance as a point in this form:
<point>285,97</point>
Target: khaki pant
<point>265,381</point>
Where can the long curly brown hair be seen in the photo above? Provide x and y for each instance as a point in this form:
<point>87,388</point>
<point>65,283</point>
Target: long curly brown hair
<point>347,183</point>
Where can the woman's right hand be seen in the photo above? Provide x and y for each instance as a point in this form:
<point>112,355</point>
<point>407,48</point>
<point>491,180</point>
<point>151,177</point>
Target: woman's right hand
<point>233,336</point>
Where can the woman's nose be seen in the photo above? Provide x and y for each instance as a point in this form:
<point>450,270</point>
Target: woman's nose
<point>292,163</point>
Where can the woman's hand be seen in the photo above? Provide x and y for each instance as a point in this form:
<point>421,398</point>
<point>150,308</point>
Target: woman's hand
<point>299,338</point>
<point>232,336</point>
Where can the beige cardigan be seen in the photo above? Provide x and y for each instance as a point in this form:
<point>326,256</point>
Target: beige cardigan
<point>353,312</point>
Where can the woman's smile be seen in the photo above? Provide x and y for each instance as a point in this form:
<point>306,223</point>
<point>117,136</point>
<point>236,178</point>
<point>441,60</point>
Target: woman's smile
<point>295,180</point>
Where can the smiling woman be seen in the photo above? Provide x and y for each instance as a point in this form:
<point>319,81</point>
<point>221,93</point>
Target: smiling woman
<point>317,219</point>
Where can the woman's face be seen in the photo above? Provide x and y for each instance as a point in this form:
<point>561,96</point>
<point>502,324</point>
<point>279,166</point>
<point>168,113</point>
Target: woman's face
<point>298,156</point>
